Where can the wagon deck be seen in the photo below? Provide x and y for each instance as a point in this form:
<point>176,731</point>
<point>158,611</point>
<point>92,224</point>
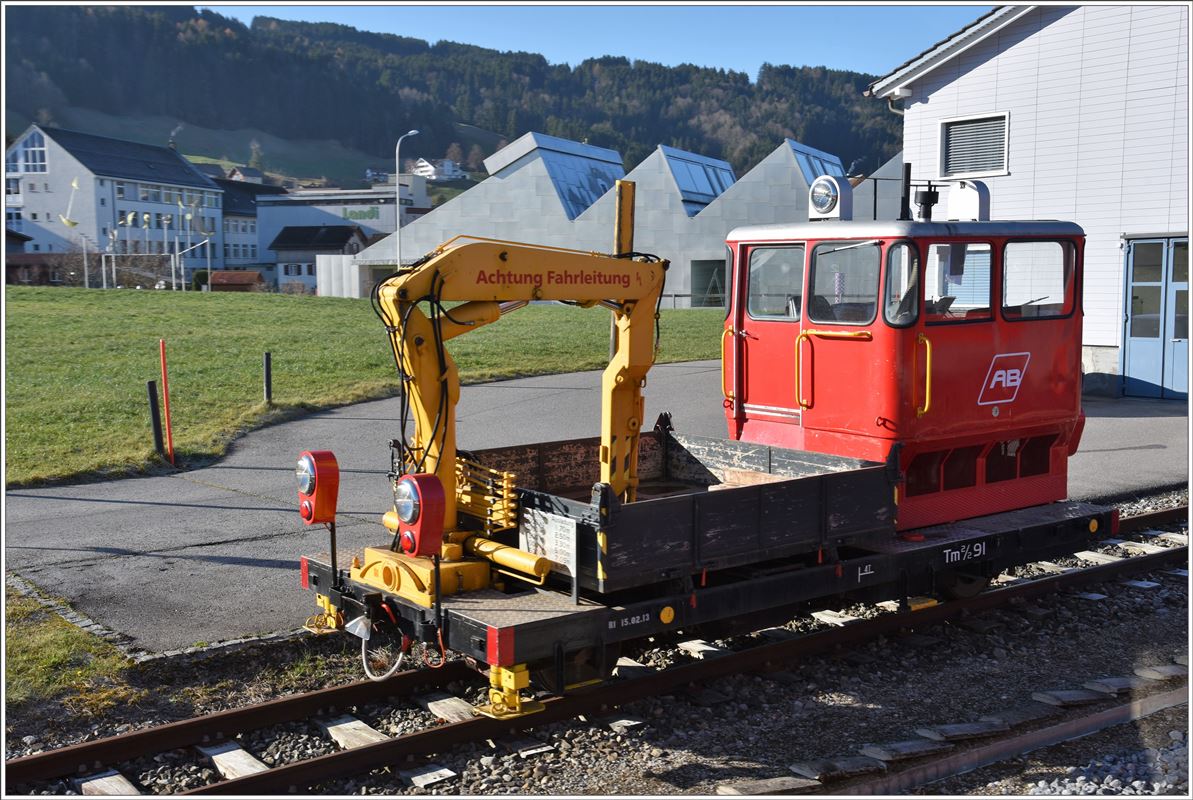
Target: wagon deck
<point>703,505</point>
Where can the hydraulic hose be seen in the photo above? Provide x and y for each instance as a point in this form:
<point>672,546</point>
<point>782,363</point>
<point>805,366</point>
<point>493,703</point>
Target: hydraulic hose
<point>364,659</point>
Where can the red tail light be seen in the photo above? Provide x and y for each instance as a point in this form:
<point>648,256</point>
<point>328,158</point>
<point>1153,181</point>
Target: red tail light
<point>304,572</point>
<point>419,504</point>
<point>1114,522</point>
<point>318,486</point>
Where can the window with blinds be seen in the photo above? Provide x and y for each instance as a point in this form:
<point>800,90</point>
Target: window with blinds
<point>974,146</point>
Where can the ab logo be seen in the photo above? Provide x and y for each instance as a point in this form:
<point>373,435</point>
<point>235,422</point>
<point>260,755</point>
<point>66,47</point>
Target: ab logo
<point>1004,378</point>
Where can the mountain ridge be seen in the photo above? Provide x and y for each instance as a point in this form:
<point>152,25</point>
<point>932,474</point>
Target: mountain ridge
<point>327,81</point>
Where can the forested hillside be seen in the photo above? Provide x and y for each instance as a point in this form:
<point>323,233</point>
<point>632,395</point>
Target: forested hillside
<point>329,81</point>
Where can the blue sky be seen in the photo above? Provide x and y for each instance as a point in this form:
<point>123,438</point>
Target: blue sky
<point>873,39</point>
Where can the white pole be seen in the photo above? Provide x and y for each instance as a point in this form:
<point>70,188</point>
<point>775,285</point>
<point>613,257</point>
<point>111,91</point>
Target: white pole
<point>187,250</point>
<point>86,273</point>
<point>398,197</point>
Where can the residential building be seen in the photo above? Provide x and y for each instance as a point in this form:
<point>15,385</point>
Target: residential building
<point>376,175</point>
<point>210,169</point>
<point>372,210</point>
<point>246,174</point>
<point>295,248</point>
<point>14,241</point>
<point>242,248</point>
<point>72,191</point>
<point>38,269</point>
<point>1077,113</point>
<point>443,169</point>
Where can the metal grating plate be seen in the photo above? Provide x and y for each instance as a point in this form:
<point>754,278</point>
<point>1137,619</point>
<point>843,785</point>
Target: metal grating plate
<point>493,608</point>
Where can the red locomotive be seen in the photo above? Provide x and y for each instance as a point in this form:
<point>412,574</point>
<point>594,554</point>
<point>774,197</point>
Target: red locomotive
<point>950,349</point>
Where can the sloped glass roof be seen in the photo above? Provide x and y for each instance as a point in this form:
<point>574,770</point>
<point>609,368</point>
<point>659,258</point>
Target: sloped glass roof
<point>813,163</point>
<point>700,179</point>
<point>579,180</point>
<point>580,172</point>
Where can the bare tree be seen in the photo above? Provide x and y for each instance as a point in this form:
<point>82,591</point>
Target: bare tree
<point>476,158</point>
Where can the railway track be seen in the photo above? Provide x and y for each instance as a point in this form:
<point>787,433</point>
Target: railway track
<point>365,749</point>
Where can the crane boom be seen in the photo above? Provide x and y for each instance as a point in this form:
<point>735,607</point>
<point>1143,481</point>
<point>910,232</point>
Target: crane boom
<point>490,278</point>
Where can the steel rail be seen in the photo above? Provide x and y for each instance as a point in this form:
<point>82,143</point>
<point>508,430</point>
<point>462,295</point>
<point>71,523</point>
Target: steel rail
<point>79,758</point>
<point>1165,516</point>
<point>957,763</point>
<point>300,775</point>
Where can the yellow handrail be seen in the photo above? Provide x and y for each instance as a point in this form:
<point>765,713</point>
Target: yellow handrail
<point>728,395</point>
<point>922,410</point>
<point>863,336</point>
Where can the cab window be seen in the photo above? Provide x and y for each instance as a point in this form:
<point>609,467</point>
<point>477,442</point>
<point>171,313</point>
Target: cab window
<point>727,281</point>
<point>1037,280</point>
<point>957,282</point>
<point>844,283</point>
<point>776,282</point>
<point>901,299</point>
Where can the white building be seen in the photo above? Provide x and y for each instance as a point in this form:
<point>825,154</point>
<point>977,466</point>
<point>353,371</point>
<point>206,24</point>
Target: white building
<point>68,191</point>
<point>242,249</point>
<point>246,174</point>
<point>443,169</point>
<point>372,210</point>
<point>1077,113</point>
<point>297,248</point>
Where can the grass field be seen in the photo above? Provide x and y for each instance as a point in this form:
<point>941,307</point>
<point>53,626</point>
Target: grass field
<point>46,657</point>
<point>77,362</point>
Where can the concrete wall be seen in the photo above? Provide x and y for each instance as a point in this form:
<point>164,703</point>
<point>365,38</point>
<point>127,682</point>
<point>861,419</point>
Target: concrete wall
<point>887,181</point>
<point>339,276</point>
<point>519,203</point>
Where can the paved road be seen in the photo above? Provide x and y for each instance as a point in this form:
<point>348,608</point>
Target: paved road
<point>212,554</point>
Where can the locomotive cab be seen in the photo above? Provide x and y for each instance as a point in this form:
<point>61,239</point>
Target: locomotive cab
<point>949,349</point>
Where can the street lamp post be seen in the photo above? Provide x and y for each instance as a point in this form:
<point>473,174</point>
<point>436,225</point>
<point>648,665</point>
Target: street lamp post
<point>86,272</point>
<point>168,219</point>
<point>398,196</point>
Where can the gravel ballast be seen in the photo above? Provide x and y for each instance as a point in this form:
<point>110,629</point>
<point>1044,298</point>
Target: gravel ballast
<point>822,707</point>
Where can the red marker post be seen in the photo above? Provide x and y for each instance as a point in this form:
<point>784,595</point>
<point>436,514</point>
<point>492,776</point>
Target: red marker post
<point>166,398</point>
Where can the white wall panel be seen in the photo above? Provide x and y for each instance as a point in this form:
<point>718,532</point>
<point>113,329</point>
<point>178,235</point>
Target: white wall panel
<point>1098,129</point>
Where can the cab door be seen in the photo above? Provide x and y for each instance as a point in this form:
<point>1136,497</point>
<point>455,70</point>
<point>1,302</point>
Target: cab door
<point>769,325</point>
<point>847,358</point>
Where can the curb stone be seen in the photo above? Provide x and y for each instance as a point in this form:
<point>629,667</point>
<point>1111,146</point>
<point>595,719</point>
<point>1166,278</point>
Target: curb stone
<point>124,644</point>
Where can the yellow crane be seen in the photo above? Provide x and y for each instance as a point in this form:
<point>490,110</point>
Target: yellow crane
<point>463,285</point>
